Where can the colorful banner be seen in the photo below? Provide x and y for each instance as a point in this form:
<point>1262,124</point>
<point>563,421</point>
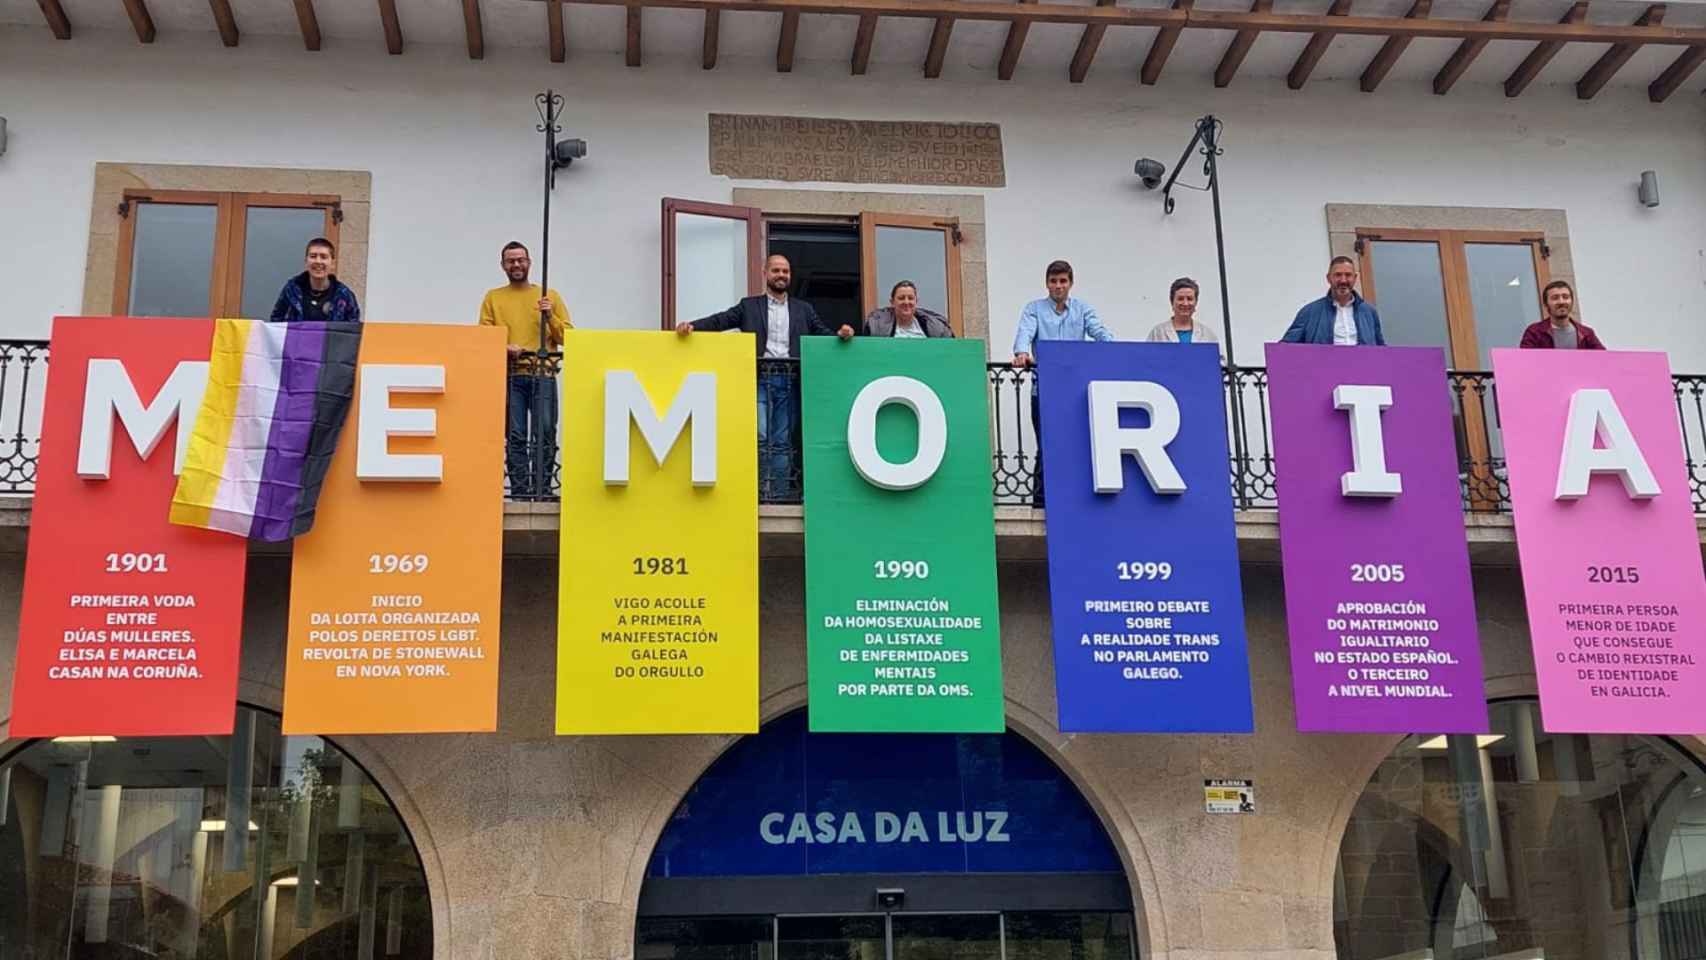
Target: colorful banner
<point>395,593</point>
<point>903,629</point>
<point>1143,559</point>
<point>1378,601</point>
<point>657,623</point>
<point>1607,537</point>
<point>129,626</point>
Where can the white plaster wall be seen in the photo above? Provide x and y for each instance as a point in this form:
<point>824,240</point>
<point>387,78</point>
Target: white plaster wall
<point>454,157</point>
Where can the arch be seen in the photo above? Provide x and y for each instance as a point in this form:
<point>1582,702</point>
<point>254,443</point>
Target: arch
<point>1110,817</point>
<point>140,836</point>
<point>1560,838</point>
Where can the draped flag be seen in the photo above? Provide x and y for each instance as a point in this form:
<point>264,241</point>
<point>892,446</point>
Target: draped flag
<point>277,396</point>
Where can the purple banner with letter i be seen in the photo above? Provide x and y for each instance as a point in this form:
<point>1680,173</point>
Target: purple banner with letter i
<point>1378,601</point>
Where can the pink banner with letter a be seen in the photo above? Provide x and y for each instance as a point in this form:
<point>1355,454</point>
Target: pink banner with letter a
<point>1606,534</point>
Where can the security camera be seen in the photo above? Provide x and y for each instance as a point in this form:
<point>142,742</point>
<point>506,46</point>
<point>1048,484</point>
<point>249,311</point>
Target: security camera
<point>568,151</point>
<point>1150,172</point>
<point>890,898</point>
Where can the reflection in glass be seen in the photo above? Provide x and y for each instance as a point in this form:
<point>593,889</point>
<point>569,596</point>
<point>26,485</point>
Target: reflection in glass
<point>916,254</point>
<point>947,936</point>
<point>1412,294</point>
<point>703,938</point>
<point>171,261</point>
<point>830,938</point>
<point>141,847</point>
<point>1523,843</point>
<point>710,264</point>
<point>274,242</point>
<point>1503,292</point>
<point>1068,936</point>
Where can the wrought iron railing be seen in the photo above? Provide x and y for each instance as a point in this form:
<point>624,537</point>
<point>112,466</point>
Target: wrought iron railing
<point>1480,447</point>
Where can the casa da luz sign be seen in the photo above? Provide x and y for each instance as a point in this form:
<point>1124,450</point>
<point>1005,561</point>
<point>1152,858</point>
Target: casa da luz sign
<point>132,626</point>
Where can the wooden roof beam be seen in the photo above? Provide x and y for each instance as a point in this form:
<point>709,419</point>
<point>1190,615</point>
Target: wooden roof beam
<point>1016,33</point>
<point>632,44</point>
<point>1613,60</point>
<point>1315,49</point>
<point>708,54</point>
<point>140,20</point>
<point>1384,61</point>
<point>1676,74</point>
<point>785,41</point>
<point>1467,51</point>
<point>474,29</point>
<point>1542,53</point>
<point>393,29</point>
<point>939,36</point>
<point>309,24</point>
<point>862,43</point>
<point>1162,48</point>
<point>226,20</point>
<point>554,28</point>
<point>56,19</point>
<point>1239,48</point>
<point>1087,44</point>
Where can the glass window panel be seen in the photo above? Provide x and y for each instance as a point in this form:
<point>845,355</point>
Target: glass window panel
<point>710,264</point>
<point>1037,935</point>
<point>830,938</point>
<point>274,242</point>
<point>171,261</point>
<point>947,936</point>
<point>703,938</point>
<point>1411,287</point>
<point>1503,292</point>
<point>173,847</point>
<point>917,254</point>
<point>1520,843</point>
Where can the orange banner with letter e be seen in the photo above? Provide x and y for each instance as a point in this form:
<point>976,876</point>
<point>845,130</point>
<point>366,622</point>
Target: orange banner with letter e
<point>394,595</point>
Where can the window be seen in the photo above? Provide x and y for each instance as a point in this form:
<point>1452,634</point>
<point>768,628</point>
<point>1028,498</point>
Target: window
<point>185,253</point>
<point>255,845</point>
<point>1523,843</point>
<point>713,255</point>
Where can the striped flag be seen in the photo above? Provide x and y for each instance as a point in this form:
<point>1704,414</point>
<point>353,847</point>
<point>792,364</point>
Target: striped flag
<point>277,396</point>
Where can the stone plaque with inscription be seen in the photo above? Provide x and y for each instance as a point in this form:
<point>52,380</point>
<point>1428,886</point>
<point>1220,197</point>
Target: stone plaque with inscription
<point>751,147</point>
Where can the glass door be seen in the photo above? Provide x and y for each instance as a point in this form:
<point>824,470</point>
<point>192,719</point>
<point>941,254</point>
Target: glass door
<point>832,937</point>
<point>713,255</point>
<point>925,250</point>
<point>946,936</point>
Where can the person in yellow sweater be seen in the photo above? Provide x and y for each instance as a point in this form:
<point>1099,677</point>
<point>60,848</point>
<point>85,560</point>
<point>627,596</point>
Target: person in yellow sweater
<point>532,411</point>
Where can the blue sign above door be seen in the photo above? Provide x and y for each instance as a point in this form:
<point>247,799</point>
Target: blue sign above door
<point>785,802</point>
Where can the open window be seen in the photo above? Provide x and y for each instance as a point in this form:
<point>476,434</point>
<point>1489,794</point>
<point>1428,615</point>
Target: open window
<point>186,253</point>
<point>925,250</point>
<point>713,255</point>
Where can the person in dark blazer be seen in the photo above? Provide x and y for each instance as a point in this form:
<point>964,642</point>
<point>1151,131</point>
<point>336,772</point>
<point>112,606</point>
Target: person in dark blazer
<point>777,322</point>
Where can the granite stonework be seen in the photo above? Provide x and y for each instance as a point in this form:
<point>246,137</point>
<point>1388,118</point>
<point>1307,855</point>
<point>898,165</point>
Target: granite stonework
<point>536,846</point>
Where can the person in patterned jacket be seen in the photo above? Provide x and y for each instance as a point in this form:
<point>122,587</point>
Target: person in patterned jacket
<point>316,293</point>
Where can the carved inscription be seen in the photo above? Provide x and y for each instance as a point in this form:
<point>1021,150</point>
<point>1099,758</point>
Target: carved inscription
<point>752,147</point>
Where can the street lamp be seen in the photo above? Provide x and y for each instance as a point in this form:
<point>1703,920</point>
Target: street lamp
<point>559,154</point>
<point>1150,171</point>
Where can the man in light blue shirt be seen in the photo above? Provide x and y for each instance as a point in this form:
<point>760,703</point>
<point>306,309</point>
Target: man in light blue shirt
<point>1058,316</point>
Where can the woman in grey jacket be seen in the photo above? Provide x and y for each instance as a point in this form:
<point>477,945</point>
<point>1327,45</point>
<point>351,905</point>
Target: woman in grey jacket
<point>903,317</point>
<point>1183,326</point>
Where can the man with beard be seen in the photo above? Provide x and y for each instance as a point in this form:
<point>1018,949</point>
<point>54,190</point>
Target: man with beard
<point>532,408</point>
<point>316,293</point>
<point>1342,317</point>
<point>777,322</point>
<point>1558,331</point>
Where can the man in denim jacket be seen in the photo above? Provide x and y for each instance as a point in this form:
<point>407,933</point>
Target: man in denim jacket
<point>1342,317</point>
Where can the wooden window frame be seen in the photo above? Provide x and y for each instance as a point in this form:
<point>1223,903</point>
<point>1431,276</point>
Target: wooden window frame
<point>230,233</point>
<point>1464,352</point>
<point>755,246</point>
<point>949,227</point>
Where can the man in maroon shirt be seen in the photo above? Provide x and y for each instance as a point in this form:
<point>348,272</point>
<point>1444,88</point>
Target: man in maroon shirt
<point>1559,331</point>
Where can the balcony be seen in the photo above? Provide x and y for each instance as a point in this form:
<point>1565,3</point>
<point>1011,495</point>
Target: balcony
<point>1481,465</point>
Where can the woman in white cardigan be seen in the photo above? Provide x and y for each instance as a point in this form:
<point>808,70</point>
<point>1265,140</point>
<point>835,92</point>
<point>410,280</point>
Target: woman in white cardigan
<point>1183,327</point>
